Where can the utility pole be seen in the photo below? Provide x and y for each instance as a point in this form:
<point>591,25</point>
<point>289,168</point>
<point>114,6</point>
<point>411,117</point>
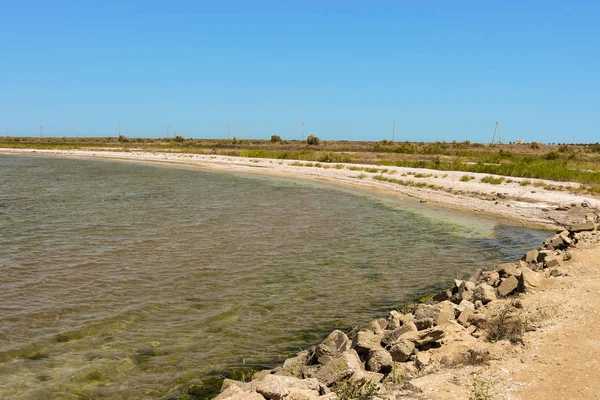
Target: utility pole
<point>119,125</point>
<point>41,133</point>
<point>303,131</point>
<point>393,130</point>
<point>228,129</point>
<point>168,129</point>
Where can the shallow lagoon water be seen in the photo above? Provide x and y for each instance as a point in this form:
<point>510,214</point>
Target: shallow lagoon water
<point>122,280</point>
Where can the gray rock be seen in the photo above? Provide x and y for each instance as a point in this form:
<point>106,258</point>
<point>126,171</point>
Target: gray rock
<point>531,256</point>
<point>293,366</point>
<point>484,293</point>
<point>235,393</point>
<point>227,383</point>
<point>379,360</point>
<point>552,262</point>
<point>466,286</point>
<point>422,359</point>
<point>423,311</point>
<point>261,374</point>
<point>446,312</point>
<point>365,341</point>
<point>390,337</point>
<point>566,240</point>
<point>582,227</point>
<point>402,350</point>
<point>543,254</point>
<point>463,318</point>
<point>336,343</point>
<point>442,296</point>
<point>556,272</point>
<point>463,305</point>
<point>477,319</point>
<point>529,280</point>
<point>302,394</point>
<point>424,323</point>
<point>272,387</point>
<point>343,367</point>
<point>555,242</point>
<point>427,337</point>
<point>490,277</point>
<point>508,269</point>
<point>508,286</point>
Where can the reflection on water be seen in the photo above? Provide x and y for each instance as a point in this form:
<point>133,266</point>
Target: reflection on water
<point>125,280</point>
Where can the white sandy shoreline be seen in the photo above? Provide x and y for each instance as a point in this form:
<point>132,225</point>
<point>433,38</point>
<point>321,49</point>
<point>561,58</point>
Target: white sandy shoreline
<point>510,202</point>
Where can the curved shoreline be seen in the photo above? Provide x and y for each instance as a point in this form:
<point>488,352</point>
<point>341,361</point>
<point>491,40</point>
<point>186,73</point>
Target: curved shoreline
<point>443,382</point>
<point>508,202</point>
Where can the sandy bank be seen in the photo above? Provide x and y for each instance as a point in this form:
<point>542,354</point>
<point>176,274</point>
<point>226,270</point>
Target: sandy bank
<point>508,201</point>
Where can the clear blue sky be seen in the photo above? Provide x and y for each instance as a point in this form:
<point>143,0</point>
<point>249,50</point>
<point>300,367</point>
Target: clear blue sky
<point>443,70</point>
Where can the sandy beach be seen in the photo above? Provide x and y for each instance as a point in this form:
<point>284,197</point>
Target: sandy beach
<point>510,201</point>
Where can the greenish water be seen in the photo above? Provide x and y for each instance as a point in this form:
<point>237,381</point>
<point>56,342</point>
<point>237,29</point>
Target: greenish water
<point>123,280</point>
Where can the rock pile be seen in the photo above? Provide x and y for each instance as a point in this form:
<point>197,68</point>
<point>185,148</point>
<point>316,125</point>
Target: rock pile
<point>391,353</point>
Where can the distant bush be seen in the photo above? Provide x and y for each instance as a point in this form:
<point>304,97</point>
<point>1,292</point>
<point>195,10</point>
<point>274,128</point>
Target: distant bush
<point>535,145</point>
<point>565,148</point>
<point>123,138</point>
<point>276,139</point>
<point>466,178</point>
<point>553,155</point>
<point>595,148</point>
<point>178,139</point>
<point>313,140</point>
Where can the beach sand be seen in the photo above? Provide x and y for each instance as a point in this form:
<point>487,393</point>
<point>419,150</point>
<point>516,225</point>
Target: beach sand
<point>532,205</point>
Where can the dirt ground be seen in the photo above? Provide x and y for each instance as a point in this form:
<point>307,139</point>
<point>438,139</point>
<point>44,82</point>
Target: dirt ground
<point>559,360</point>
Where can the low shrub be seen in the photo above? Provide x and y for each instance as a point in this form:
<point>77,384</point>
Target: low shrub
<point>508,324</point>
<point>364,390</point>
<point>313,140</point>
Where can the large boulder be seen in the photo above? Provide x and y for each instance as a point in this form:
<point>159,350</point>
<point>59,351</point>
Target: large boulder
<point>531,256</point>
<point>391,336</point>
<point>463,318</point>
<point>508,269</point>
<point>426,338</point>
<point>465,290</point>
<point>552,262</point>
<point>484,292</point>
<point>272,387</point>
<point>529,280</point>
<point>379,360</point>
<point>365,341</point>
<point>584,226</point>
<point>234,392</point>
<point>508,286</point>
<point>401,350</point>
<point>342,367</point>
<point>492,278</point>
<point>336,343</point>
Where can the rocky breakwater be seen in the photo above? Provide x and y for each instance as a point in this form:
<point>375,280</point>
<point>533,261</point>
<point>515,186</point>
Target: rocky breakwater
<point>478,320</point>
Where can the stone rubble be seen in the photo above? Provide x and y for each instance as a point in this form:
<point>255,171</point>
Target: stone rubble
<point>398,352</point>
